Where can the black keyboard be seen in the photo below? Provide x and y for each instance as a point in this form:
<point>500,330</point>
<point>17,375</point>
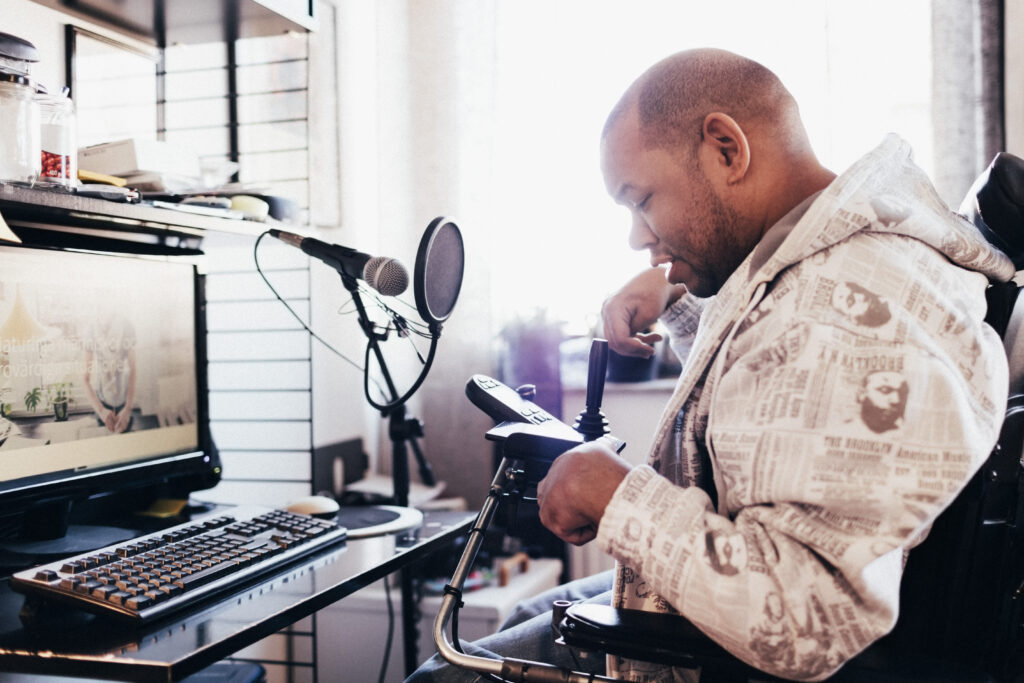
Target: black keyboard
<point>156,574</point>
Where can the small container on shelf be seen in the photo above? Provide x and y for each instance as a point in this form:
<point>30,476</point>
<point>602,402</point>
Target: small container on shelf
<point>58,140</point>
<point>19,112</point>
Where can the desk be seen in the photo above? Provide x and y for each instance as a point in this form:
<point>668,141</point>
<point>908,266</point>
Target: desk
<point>179,646</point>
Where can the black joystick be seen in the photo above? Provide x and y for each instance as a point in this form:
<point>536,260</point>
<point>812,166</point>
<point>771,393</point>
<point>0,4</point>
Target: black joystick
<point>591,423</point>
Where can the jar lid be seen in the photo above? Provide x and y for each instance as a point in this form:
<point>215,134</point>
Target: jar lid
<point>17,48</point>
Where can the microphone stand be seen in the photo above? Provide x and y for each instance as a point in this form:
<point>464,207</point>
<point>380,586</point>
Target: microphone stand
<point>402,431</point>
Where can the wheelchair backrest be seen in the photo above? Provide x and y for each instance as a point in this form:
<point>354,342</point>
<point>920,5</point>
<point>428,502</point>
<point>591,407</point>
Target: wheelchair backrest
<point>962,589</point>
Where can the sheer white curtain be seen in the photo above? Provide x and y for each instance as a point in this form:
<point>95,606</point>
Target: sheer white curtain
<point>416,115</point>
<point>858,68</point>
<point>490,111</point>
<point>967,91</point>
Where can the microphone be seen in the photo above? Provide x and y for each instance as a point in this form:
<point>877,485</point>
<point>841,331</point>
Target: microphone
<point>384,274</point>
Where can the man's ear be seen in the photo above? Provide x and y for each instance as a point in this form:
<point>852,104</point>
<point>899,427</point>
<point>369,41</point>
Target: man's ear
<point>726,147</point>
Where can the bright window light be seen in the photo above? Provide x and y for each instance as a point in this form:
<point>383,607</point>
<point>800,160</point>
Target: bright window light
<point>858,68</point>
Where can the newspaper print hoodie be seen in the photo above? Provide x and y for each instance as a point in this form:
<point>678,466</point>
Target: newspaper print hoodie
<point>840,390</point>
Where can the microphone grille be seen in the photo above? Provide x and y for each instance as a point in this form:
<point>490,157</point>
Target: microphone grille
<point>387,275</point>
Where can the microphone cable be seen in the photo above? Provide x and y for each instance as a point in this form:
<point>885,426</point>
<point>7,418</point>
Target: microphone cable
<point>391,632</point>
<point>330,347</point>
<point>418,329</point>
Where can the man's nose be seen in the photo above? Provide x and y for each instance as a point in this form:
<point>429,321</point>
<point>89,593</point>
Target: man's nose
<point>640,235</point>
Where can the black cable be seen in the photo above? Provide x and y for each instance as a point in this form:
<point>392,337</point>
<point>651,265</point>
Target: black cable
<point>391,631</point>
<point>385,407</point>
<point>332,349</point>
<point>365,369</point>
<point>456,643</point>
<point>417,328</point>
<point>410,310</point>
<point>307,328</point>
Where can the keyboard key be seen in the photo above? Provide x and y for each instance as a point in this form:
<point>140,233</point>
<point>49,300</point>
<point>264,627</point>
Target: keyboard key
<point>118,597</point>
<point>206,575</point>
<point>70,582</point>
<point>138,601</point>
<point>104,591</point>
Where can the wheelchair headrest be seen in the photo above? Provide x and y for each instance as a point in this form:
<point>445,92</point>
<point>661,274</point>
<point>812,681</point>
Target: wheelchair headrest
<point>995,204</point>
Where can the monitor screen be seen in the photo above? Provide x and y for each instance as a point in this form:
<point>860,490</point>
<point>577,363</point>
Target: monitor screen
<point>102,378</point>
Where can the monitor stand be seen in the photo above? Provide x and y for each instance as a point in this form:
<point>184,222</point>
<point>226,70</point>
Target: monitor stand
<point>80,538</point>
<point>46,535</point>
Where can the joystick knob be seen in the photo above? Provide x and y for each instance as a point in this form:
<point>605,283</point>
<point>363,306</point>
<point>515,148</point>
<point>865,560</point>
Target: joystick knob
<point>591,423</point>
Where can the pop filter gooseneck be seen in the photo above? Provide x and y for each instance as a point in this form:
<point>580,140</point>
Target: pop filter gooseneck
<point>437,277</point>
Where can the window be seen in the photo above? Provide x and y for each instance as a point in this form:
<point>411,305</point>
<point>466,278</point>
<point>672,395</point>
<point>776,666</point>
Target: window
<point>858,70</point>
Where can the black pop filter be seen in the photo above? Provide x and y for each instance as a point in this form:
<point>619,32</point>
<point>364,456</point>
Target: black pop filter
<point>437,278</point>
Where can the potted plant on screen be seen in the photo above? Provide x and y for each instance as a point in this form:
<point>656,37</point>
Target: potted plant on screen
<point>57,395</point>
<point>32,398</point>
<point>6,408</point>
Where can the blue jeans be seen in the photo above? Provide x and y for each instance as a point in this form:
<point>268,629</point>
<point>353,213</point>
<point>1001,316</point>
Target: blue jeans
<point>527,634</point>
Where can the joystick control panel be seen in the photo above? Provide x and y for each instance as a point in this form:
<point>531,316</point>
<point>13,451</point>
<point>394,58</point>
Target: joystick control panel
<point>528,432</point>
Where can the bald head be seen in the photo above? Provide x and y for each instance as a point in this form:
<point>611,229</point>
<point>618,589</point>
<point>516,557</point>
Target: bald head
<point>673,97</point>
<point>707,151</point>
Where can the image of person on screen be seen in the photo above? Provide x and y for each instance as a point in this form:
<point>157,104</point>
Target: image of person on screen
<point>110,371</point>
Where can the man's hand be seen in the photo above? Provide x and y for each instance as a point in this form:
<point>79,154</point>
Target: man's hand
<point>636,307</point>
<point>577,489</point>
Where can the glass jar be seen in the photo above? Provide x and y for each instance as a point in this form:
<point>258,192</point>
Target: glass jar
<point>19,129</point>
<point>59,148</point>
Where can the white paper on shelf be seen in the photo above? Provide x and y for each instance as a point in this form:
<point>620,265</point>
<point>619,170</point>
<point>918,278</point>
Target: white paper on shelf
<point>6,234</point>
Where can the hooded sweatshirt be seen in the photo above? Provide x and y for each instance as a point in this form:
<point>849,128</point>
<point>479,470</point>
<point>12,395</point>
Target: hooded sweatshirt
<point>837,394</point>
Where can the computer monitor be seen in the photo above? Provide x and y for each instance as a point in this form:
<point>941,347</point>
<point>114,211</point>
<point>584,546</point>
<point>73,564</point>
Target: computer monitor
<point>102,382</point>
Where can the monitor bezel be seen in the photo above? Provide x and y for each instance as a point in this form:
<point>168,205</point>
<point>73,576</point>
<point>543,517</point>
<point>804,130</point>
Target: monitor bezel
<point>166,475</point>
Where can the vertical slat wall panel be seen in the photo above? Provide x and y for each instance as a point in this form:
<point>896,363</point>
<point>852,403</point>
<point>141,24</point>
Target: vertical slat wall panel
<point>260,389</point>
<point>259,354</point>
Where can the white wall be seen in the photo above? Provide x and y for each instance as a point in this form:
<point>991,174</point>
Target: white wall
<point>44,28</point>
<point>405,133</point>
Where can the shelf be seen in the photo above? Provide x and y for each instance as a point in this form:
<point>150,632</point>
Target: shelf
<point>59,219</point>
<point>166,22</point>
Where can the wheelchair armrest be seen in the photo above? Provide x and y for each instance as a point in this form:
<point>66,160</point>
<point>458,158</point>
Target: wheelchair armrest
<point>672,640</point>
<point>649,636</point>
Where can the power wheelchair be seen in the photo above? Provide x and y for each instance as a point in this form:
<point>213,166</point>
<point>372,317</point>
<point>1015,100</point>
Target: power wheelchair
<point>961,601</point>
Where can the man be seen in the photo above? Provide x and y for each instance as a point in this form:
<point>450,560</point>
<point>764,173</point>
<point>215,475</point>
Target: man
<point>111,370</point>
<point>761,442</point>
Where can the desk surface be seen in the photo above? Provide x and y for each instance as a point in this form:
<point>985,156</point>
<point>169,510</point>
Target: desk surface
<point>82,645</point>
